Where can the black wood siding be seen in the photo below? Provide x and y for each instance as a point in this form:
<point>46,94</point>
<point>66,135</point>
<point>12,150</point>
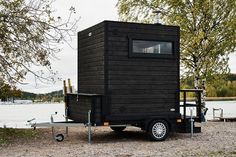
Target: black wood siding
<point>80,104</point>
<point>141,86</point>
<point>91,60</point>
<point>90,75</point>
<point>131,87</point>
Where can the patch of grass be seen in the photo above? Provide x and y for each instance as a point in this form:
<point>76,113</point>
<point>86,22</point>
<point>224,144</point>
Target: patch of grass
<point>219,153</point>
<point>222,153</point>
<point>8,135</point>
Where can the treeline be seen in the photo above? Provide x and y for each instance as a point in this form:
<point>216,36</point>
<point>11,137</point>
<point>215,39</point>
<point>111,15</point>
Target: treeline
<point>55,96</point>
<point>7,91</point>
<point>11,93</point>
<point>225,86</point>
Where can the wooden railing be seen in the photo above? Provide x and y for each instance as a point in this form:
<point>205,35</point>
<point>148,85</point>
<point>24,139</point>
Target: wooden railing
<point>197,105</point>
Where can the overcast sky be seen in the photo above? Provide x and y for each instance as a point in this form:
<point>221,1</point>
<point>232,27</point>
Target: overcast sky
<point>90,12</point>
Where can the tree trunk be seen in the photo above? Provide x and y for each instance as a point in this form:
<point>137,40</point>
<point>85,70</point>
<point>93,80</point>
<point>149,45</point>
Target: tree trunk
<point>200,83</point>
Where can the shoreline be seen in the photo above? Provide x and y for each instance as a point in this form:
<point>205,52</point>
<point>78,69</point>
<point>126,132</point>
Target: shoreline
<point>181,99</point>
<point>213,99</point>
<point>33,103</point>
<point>220,98</point>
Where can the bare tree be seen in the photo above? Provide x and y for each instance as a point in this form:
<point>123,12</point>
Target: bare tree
<point>29,36</point>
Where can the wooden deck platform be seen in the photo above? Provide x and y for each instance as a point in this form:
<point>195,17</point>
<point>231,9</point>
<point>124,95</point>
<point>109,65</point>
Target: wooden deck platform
<point>223,119</point>
<point>228,119</point>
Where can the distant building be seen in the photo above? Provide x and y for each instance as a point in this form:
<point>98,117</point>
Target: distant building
<point>23,101</point>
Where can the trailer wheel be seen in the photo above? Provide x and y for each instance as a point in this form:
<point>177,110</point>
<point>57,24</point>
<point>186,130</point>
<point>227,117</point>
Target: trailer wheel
<point>118,129</point>
<point>158,130</point>
<point>59,137</point>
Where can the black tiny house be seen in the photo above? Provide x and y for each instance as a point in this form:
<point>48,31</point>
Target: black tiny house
<point>128,74</point>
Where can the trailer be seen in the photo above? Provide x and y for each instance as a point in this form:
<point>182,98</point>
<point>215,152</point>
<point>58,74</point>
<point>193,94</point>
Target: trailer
<point>129,74</point>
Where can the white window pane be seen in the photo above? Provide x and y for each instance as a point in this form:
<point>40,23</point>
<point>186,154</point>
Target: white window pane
<point>154,47</point>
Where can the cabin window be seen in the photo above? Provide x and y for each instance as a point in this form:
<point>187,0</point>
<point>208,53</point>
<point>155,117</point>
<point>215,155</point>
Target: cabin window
<point>152,47</point>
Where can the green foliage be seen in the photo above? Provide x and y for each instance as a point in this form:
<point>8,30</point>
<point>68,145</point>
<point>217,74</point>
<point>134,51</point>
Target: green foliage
<point>7,135</point>
<point>55,96</point>
<point>28,96</point>
<point>208,30</point>
<point>227,89</point>
<point>7,91</point>
<point>29,36</point>
<point>219,88</point>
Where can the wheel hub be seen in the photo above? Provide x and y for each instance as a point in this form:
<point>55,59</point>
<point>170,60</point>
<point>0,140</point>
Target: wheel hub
<point>159,130</point>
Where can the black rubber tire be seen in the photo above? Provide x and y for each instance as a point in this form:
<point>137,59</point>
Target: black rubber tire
<point>158,130</point>
<point>59,137</point>
<point>118,129</point>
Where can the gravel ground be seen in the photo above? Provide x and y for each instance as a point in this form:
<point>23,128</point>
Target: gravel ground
<point>216,139</point>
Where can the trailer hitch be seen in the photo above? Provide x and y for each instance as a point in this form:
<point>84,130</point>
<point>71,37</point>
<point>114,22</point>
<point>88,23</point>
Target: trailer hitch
<point>32,123</point>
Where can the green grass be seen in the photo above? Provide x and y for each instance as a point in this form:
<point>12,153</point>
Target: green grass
<point>219,153</point>
<point>8,135</point>
<point>222,153</point>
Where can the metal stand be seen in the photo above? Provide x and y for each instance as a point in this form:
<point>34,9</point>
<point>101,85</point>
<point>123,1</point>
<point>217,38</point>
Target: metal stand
<point>66,118</point>
<point>89,127</point>
<point>191,121</point>
<point>51,119</point>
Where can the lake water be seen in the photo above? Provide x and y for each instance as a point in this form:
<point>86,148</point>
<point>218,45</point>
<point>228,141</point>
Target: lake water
<point>16,116</point>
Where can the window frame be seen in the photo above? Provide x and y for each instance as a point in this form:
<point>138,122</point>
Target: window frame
<point>150,55</point>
